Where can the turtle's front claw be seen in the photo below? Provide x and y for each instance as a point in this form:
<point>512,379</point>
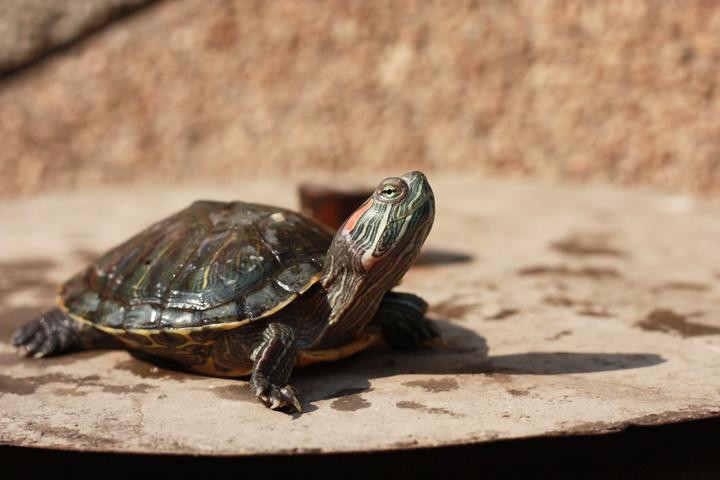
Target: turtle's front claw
<point>276,398</point>
<point>291,397</point>
<point>33,338</point>
<point>51,333</point>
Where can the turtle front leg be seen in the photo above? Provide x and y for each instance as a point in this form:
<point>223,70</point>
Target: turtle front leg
<point>274,359</point>
<point>401,319</point>
<point>54,332</point>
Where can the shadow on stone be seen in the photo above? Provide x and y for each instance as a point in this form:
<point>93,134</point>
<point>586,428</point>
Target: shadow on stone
<point>350,378</point>
<point>145,365</point>
<point>434,256</point>
<point>465,352</point>
<point>554,363</point>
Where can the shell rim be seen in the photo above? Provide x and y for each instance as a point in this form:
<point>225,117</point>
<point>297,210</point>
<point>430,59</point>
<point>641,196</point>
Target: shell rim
<point>181,330</point>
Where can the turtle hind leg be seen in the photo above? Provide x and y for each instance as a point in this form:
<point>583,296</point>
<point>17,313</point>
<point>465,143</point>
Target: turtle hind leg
<point>401,319</point>
<point>54,332</point>
<point>274,359</point>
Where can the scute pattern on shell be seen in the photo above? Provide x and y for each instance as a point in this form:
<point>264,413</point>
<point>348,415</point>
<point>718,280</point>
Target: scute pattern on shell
<point>210,264</point>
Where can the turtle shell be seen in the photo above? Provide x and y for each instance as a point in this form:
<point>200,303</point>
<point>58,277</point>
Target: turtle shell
<point>212,265</point>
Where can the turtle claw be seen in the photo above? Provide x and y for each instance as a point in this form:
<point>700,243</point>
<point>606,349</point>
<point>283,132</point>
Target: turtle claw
<point>276,398</point>
<point>51,333</point>
<point>32,338</point>
<point>291,395</point>
<point>282,399</point>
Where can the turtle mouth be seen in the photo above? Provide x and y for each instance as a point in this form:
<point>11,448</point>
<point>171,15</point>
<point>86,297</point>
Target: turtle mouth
<point>426,204</point>
<point>420,194</point>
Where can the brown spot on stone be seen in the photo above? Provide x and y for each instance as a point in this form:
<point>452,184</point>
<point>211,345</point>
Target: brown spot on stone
<point>586,245</point>
<point>590,272</point>
<point>69,392</point>
<point>503,314</point>
<point>560,334</point>
<point>411,405</point>
<point>123,389</point>
<point>237,391</point>
<point>117,389</point>
<point>350,403</point>
<point>517,392</point>
<point>433,385</point>
<point>667,321</point>
<point>62,378</point>
<point>408,444</point>
<point>452,308</point>
<point>589,309</point>
<point>686,286</point>
<point>426,409</point>
<point>559,301</point>
<point>28,385</point>
<point>72,436</point>
<point>300,451</point>
<point>18,386</point>
<point>594,311</point>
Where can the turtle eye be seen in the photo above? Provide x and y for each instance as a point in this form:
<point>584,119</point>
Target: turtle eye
<point>389,191</point>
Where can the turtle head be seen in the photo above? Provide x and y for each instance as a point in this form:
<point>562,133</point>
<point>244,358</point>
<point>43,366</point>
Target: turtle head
<point>383,237</point>
<point>375,246</point>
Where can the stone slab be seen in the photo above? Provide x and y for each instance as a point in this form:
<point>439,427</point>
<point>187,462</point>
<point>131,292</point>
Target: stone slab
<point>566,308</point>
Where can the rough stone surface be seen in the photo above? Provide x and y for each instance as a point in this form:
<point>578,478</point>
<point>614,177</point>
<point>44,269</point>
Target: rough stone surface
<point>566,310</point>
<point>624,91</point>
<point>30,28</point>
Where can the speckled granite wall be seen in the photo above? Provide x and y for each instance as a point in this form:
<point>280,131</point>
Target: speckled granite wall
<point>190,90</point>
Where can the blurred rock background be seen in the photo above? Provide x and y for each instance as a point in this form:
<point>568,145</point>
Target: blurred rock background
<point>115,92</point>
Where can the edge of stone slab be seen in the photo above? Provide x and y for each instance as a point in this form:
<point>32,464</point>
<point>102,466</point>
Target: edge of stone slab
<point>590,429</point>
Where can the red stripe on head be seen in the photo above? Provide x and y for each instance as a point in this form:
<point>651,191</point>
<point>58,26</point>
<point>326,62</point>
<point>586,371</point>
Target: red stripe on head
<point>353,219</point>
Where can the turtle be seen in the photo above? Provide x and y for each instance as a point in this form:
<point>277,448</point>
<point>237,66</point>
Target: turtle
<point>235,289</point>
